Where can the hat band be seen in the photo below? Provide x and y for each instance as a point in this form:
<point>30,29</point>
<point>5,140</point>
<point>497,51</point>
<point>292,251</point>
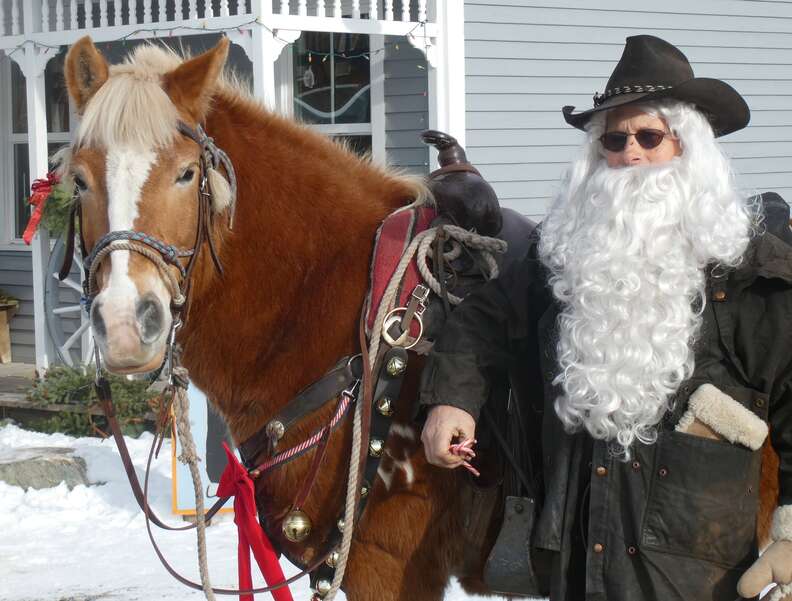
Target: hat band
<point>600,98</point>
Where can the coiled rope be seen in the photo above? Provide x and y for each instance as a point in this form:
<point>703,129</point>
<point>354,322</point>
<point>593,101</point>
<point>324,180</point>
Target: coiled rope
<point>420,244</point>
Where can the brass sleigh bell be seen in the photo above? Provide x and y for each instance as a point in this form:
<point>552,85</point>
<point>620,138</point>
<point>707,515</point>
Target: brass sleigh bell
<point>385,406</point>
<point>296,526</point>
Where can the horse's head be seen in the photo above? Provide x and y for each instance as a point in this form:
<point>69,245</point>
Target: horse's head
<point>136,168</point>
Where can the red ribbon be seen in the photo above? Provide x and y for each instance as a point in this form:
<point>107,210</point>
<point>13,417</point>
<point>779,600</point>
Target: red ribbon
<point>235,482</point>
<point>40,191</point>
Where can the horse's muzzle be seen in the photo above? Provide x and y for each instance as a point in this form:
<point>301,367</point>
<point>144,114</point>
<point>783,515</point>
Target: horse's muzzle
<point>130,336</point>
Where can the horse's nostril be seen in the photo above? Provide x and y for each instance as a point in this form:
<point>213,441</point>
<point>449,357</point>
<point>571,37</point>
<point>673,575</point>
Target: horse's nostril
<point>97,321</point>
<point>150,318</point>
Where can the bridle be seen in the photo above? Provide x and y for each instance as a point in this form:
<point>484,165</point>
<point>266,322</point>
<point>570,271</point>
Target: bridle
<point>164,256</point>
<point>349,381</point>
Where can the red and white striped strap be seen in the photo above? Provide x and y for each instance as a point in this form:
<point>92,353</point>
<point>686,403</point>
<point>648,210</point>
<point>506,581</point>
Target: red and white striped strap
<point>347,397</point>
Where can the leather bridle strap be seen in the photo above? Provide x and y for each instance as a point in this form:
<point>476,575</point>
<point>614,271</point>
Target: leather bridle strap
<point>102,387</point>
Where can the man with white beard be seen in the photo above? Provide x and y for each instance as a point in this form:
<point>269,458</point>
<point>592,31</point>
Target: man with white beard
<point>653,316</point>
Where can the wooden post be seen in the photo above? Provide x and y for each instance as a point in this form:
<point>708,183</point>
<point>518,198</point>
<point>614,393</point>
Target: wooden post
<point>6,313</point>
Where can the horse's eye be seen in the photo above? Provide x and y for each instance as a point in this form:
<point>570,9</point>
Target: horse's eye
<point>187,176</point>
<point>80,183</point>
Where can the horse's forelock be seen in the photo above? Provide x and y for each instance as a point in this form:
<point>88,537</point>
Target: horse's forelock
<point>131,108</point>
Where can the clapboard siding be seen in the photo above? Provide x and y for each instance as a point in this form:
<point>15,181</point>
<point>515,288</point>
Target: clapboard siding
<point>526,59</point>
<point>406,106</point>
<point>16,279</point>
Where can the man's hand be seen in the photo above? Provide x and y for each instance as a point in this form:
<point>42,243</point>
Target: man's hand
<point>774,565</point>
<point>443,424</point>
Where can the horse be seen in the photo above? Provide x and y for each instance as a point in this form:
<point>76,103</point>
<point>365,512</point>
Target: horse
<point>276,286</point>
<point>295,268</point>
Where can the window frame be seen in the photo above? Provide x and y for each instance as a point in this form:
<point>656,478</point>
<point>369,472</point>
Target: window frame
<point>374,128</point>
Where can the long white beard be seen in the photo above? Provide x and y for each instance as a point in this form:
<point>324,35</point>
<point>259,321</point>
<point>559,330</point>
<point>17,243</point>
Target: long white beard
<point>626,252</point>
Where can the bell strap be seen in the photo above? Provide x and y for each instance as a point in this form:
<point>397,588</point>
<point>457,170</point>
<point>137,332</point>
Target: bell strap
<point>346,372</point>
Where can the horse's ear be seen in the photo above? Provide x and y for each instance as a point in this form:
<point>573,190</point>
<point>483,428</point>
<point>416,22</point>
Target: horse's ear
<point>86,71</point>
<point>191,85</point>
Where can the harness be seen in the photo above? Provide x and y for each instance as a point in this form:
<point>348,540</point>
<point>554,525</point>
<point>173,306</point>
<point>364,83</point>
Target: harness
<point>348,381</point>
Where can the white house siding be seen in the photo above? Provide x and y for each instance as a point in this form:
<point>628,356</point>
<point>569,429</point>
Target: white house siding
<point>525,59</point>
<point>406,106</point>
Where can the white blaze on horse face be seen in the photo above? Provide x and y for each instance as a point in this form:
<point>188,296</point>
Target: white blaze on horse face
<point>127,171</point>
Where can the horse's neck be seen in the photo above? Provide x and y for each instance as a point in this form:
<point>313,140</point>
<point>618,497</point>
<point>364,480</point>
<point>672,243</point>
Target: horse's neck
<point>295,275</point>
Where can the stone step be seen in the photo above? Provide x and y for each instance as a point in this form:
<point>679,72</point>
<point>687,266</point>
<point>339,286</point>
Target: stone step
<point>42,467</point>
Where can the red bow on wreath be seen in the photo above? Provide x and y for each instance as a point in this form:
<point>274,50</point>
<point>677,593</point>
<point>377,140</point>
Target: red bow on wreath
<point>39,192</point>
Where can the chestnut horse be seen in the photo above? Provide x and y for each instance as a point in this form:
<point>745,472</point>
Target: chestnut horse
<point>283,311</point>
<point>286,307</point>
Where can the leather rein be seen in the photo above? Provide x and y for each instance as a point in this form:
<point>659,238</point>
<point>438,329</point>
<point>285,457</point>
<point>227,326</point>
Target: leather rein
<point>349,378</point>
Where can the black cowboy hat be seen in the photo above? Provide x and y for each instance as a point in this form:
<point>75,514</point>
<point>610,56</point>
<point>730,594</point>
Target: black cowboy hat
<point>650,69</point>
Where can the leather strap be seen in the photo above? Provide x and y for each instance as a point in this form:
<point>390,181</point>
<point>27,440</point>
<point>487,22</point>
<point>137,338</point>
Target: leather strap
<point>311,398</point>
<point>102,387</point>
<point>69,252</point>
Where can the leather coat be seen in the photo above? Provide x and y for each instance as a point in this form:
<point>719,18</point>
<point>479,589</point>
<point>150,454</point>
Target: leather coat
<point>677,521</point>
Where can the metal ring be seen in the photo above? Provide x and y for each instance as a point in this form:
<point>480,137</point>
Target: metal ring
<point>393,317</point>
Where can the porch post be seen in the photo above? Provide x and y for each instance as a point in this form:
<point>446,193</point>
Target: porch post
<point>32,62</point>
<point>446,78</point>
<point>263,54</point>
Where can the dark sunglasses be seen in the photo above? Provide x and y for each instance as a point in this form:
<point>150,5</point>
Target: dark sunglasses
<point>616,141</point>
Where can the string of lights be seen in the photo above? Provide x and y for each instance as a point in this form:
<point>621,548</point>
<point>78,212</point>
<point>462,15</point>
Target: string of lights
<point>159,32</point>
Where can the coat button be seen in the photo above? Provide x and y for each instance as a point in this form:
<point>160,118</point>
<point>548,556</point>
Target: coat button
<point>599,547</point>
<point>719,295</point>
<point>759,403</point>
<point>662,472</point>
<point>636,465</point>
<point>631,550</point>
<point>601,470</point>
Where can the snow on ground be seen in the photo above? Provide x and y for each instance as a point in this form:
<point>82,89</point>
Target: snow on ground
<point>90,543</point>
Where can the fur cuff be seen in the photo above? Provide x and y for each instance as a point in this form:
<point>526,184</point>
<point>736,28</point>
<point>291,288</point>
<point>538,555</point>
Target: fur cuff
<point>782,523</point>
<point>780,592</point>
<point>725,416</point>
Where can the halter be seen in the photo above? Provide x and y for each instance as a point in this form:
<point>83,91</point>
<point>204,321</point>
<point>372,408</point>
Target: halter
<point>163,255</point>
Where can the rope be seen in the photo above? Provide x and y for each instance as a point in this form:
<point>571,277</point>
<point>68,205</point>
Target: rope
<point>462,237</point>
<point>349,508</point>
<point>189,456</point>
<point>170,280</point>
<point>420,244</point>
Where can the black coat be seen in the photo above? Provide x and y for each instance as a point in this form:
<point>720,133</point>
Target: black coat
<point>677,521</point>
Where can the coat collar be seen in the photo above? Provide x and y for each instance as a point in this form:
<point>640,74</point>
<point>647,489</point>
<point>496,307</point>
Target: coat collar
<point>769,257</point>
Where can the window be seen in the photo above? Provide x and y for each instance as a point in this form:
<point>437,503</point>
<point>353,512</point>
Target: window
<point>59,124</point>
<point>331,83</point>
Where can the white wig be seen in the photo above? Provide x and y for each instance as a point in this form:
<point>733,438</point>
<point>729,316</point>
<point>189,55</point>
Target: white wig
<point>626,249</point>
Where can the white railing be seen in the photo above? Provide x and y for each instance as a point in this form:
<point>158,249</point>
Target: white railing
<point>49,16</point>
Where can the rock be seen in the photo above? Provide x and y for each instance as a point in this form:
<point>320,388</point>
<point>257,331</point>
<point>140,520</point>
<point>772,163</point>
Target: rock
<point>42,467</point>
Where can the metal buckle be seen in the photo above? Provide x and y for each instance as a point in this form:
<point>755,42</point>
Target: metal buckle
<point>171,342</point>
<point>413,310</point>
<point>394,318</point>
<point>352,391</point>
